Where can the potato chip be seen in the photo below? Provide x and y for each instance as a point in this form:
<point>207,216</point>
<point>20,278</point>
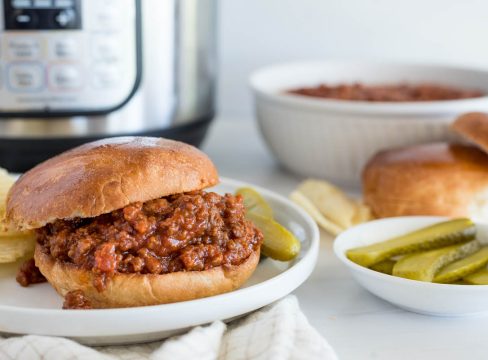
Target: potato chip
<point>329,206</point>
<point>13,244</point>
<point>6,182</point>
<point>14,248</point>
<point>363,214</point>
<point>302,201</point>
<point>330,201</point>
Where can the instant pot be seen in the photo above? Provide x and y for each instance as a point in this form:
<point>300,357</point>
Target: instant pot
<point>73,71</point>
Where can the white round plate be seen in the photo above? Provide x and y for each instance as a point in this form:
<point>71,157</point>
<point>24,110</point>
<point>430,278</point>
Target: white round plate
<point>37,309</point>
<point>422,297</point>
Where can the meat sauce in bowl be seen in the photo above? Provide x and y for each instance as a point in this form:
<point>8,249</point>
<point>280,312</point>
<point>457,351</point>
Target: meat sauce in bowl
<point>388,92</point>
<point>185,232</point>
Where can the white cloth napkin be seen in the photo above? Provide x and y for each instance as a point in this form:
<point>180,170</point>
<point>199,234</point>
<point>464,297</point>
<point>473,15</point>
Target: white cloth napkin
<point>277,331</point>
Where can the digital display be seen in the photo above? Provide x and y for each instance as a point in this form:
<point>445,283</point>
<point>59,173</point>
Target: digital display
<point>42,14</point>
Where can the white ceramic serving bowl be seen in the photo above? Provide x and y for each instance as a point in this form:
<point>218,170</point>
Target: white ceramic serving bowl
<point>335,138</point>
<point>417,296</point>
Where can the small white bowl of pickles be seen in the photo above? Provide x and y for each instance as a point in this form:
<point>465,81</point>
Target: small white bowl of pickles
<point>429,265</point>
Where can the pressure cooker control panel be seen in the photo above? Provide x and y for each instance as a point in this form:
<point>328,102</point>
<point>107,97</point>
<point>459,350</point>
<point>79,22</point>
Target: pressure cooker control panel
<point>68,57</point>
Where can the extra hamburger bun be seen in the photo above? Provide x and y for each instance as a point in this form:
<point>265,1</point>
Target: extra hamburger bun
<point>474,128</point>
<point>107,175</point>
<point>434,179</point>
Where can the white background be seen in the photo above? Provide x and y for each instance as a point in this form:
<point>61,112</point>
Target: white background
<point>255,33</point>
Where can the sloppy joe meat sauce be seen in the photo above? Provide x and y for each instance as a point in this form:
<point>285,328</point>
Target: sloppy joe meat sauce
<point>185,232</point>
<point>388,93</point>
<point>29,274</point>
<point>76,300</point>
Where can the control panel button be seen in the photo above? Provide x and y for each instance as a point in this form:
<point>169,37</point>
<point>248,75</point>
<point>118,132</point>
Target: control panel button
<point>43,4</point>
<point>21,4</point>
<point>64,48</point>
<point>25,77</point>
<point>106,49</point>
<point>64,77</point>
<point>24,19</point>
<point>23,48</point>
<point>105,76</point>
<point>64,3</point>
<point>64,19</point>
<point>108,18</point>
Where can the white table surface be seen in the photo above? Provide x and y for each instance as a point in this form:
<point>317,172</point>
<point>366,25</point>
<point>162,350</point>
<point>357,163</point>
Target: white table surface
<point>357,324</point>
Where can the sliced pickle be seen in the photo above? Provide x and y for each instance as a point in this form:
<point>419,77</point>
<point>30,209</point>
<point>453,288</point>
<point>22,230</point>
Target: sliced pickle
<point>464,267</point>
<point>385,266</point>
<point>279,243</point>
<point>254,202</point>
<point>435,236</point>
<point>478,278</point>
<point>423,266</point>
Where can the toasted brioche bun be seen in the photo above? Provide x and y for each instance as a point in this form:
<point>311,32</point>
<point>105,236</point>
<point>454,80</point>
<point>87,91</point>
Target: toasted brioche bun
<point>473,127</point>
<point>106,175</point>
<point>434,179</point>
<point>129,290</point>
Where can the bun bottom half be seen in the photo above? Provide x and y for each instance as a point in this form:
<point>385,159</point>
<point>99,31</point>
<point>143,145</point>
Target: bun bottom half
<point>130,290</point>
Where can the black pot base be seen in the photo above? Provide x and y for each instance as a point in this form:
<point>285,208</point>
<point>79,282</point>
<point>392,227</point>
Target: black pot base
<point>21,154</point>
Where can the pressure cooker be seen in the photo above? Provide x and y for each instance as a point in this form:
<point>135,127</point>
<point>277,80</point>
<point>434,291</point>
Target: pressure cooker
<point>72,71</point>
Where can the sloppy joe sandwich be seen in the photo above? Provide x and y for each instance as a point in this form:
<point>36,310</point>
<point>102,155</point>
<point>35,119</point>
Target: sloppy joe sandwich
<point>127,222</point>
<point>433,179</point>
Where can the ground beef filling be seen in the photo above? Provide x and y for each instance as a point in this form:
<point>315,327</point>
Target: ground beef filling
<point>388,93</point>
<point>76,300</point>
<point>29,274</point>
<point>184,232</point>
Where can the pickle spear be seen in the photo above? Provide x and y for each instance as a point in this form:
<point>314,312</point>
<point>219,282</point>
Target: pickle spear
<point>478,278</point>
<point>435,236</point>
<point>254,202</point>
<point>278,243</point>
<point>423,266</point>
<point>385,266</point>
<point>461,268</point>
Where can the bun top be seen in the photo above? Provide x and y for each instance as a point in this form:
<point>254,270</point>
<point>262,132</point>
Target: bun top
<point>441,156</point>
<point>434,179</point>
<point>473,127</point>
<point>106,175</point>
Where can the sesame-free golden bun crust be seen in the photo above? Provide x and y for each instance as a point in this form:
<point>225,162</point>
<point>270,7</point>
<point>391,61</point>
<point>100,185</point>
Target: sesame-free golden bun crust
<point>106,175</point>
<point>473,127</point>
<point>435,179</point>
<point>129,290</point>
